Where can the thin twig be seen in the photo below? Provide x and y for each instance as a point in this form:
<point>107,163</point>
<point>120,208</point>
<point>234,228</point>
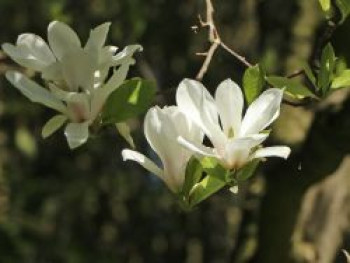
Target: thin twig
<point>236,55</point>
<point>213,38</point>
<point>206,63</point>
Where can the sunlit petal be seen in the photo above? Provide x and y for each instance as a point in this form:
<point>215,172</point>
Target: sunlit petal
<point>62,39</point>
<point>262,112</point>
<point>143,161</point>
<point>229,101</point>
<point>274,151</point>
<point>34,92</point>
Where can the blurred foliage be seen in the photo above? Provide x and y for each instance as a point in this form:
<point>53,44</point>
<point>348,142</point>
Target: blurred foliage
<point>87,205</point>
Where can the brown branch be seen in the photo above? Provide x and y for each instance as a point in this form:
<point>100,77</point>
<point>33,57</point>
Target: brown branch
<point>215,40</point>
<point>242,59</point>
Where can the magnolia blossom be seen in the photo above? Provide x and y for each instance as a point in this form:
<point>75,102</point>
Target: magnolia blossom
<point>236,140</point>
<point>162,127</point>
<point>75,75</point>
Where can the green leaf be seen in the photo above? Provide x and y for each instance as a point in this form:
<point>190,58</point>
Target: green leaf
<point>211,166</point>
<point>310,75</point>
<point>341,81</point>
<point>132,98</point>
<point>207,187</point>
<point>247,171</point>
<point>327,67</point>
<point>344,7</point>
<point>292,87</point>
<point>326,5</point>
<point>194,173</point>
<point>253,82</point>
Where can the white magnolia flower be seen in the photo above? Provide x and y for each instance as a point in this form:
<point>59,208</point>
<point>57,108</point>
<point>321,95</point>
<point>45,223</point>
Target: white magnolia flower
<point>75,75</point>
<point>162,128</point>
<point>236,141</point>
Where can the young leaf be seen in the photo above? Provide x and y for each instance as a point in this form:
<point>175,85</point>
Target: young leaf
<point>293,87</point>
<point>212,167</point>
<point>253,82</point>
<point>341,81</point>
<point>247,171</point>
<point>207,187</point>
<point>326,6</point>
<point>344,7</point>
<point>310,75</point>
<point>193,175</point>
<point>129,100</point>
<point>327,67</point>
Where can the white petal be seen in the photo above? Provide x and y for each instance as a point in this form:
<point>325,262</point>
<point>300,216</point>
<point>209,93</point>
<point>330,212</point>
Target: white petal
<point>125,56</point>
<point>53,72</point>
<point>37,47</point>
<point>237,151</point>
<point>62,39</point>
<point>106,56</point>
<point>230,102</point>
<point>161,133</point>
<point>22,57</point>
<point>124,130</point>
<point>196,148</point>
<point>78,70</point>
<point>196,102</point>
<point>262,112</point>
<point>34,92</point>
<point>97,37</point>
<point>275,151</point>
<point>143,161</point>
<point>101,94</point>
<point>53,125</point>
<point>76,134</point>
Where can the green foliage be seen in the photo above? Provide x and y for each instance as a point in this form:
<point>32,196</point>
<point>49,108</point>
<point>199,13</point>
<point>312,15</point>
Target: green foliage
<point>327,67</point>
<point>203,179</point>
<point>292,87</point>
<point>247,171</point>
<point>309,74</point>
<point>344,7</point>
<point>205,188</point>
<point>253,82</point>
<point>132,98</point>
<point>341,81</point>
<point>193,175</point>
<point>326,6</point>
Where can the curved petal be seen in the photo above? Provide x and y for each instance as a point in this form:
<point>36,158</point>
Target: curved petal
<point>62,39</point>
<point>78,70</point>
<point>161,133</point>
<point>23,58</point>
<point>97,37</point>
<point>53,125</point>
<point>34,92</point>
<point>262,112</point>
<point>237,151</point>
<point>275,151</point>
<point>196,148</point>
<point>37,47</point>
<point>229,101</point>
<point>100,95</point>
<point>76,134</point>
<point>143,161</point>
<point>196,102</point>
<point>125,56</point>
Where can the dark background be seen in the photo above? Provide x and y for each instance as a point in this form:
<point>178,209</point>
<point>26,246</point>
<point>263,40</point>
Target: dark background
<point>86,205</point>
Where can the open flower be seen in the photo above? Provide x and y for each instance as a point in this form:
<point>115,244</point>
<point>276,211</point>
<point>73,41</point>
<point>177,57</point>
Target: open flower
<point>162,128</point>
<point>75,75</point>
<point>235,141</point>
